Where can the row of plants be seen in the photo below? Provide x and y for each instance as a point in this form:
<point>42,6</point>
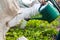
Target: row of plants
<point>34,30</point>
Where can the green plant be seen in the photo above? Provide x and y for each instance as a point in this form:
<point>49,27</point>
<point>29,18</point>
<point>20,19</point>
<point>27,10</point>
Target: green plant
<point>34,30</point>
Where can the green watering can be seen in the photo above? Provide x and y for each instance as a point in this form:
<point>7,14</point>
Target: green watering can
<point>48,11</point>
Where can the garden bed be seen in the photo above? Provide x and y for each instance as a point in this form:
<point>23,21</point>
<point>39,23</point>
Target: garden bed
<point>34,30</point>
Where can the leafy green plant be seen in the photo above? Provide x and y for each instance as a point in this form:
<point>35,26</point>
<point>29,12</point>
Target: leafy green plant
<point>34,30</point>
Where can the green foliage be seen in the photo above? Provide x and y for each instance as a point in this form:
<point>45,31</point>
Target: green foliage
<point>34,30</point>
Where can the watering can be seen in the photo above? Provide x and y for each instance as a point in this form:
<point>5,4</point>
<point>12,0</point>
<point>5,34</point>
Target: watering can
<point>49,12</point>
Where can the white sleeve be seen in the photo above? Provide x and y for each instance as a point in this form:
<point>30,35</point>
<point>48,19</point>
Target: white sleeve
<point>34,9</point>
<point>25,13</point>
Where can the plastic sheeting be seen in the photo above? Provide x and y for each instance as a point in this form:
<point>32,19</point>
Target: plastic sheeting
<point>8,10</point>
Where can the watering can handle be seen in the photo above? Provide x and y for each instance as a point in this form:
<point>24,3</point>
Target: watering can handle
<point>55,4</point>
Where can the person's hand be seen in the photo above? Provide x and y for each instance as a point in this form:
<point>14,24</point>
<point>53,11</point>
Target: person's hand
<point>23,24</point>
<point>42,1</point>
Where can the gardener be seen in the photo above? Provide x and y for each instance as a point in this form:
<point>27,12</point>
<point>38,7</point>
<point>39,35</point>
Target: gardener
<point>28,8</point>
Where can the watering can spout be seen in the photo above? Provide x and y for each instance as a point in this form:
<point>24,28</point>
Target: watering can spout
<point>27,19</point>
